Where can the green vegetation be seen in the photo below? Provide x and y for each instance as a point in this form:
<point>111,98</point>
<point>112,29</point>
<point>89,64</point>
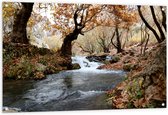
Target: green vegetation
<point>30,62</point>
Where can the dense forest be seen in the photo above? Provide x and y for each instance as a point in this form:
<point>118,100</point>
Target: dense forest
<point>42,39</point>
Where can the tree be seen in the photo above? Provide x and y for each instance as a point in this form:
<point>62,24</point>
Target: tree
<point>84,19</point>
<point>19,34</point>
<point>88,47</point>
<point>102,41</point>
<point>156,21</point>
<point>118,41</point>
<point>9,11</point>
<point>162,36</point>
<point>123,18</point>
<point>81,18</point>
<point>96,41</point>
<point>163,10</point>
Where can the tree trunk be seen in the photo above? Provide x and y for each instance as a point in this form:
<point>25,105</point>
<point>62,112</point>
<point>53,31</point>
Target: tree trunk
<point>66,49</point>
<point>119,49</point>
<point>19,34</point>
<point>146,43</point>
<point>106,50</point>
<point>148,26</point>
<point>163,17</point>
<point>162,36</point>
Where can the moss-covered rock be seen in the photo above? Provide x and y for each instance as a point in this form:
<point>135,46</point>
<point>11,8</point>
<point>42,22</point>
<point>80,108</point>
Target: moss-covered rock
<point>76,66</point>
<point>106,62</point>
<point>129,66</point>
<point>115,59</point>
<point>97,58</point>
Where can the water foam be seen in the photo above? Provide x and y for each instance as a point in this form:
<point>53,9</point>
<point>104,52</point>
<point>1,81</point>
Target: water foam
<point>90,67</point>
<point>85,63</point>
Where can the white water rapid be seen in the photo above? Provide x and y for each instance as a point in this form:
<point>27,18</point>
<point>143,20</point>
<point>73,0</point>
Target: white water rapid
<point>87,66</point>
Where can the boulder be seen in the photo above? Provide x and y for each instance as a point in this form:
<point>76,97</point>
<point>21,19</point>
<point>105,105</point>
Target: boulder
<point>76,66</point>
<point>114,59</point>
<point>97,58</point>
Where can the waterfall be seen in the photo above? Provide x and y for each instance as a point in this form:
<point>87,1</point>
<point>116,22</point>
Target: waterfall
<point>85,64</point>
<point>91,67</point>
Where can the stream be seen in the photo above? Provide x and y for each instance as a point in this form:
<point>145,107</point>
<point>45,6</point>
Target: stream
<point>82,89</point>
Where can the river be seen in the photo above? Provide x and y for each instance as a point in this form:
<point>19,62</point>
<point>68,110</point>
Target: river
<point>82,89</point>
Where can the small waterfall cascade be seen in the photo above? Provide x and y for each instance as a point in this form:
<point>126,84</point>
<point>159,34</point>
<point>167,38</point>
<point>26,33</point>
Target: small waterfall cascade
<point>85,64</point>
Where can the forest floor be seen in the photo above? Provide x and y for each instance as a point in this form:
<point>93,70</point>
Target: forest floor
<point>24,61</point>
<point>145,84</point>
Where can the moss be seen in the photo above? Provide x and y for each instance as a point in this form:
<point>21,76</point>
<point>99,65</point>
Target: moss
<point>106,62</point>
<point>129,66</point>
<point>130,105</point>
<point>29,62</point>
<point>115,59</point>
<point>42,61</point>
<point>139,94</point>
<point>76,66</point>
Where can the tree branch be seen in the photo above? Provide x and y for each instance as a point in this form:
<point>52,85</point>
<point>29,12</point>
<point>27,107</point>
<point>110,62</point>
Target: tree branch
<point>112,40</point>
<point>101,42</point>
<point>147,25</point>
<point>75,19</point>
<point>85,50</point>
<point>94,15</point>
<point>157,23</point>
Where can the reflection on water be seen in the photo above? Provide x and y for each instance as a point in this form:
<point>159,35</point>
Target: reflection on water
<point>68,82</point>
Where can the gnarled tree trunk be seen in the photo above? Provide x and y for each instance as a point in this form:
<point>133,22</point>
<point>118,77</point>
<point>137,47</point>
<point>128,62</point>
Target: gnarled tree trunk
<point>19,34</point>
<point>66,49</point>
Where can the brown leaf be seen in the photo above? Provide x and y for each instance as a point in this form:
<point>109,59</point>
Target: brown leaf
<point>140,102</point>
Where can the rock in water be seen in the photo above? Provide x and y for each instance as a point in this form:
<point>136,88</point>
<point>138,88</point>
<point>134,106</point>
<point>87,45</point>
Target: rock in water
<point>76,66</point>
<point>96,58</point>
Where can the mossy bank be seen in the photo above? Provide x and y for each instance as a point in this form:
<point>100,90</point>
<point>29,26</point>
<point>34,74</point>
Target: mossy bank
<point>24,61</point>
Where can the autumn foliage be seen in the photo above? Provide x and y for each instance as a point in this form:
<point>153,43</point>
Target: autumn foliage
<point>145,84</point>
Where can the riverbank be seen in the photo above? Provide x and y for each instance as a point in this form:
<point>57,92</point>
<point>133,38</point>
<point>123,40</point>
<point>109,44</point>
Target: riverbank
<point>24,61</point>
<point>145,84</point>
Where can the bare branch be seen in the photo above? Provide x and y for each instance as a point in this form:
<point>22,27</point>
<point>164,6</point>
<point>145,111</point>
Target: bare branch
<point>89,29</point>
<point>157,23</point>
<point>147,25</point>
<point>86,49</point>
<point>112,40</point>
<point>94,15</point>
